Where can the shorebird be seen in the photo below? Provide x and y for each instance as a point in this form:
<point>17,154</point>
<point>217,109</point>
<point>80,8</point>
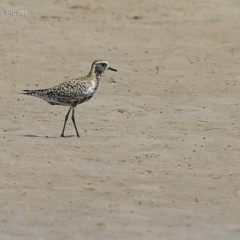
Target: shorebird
<point>73,92</point>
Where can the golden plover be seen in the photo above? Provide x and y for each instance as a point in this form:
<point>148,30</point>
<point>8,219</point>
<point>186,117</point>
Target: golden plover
<point>73,92</point>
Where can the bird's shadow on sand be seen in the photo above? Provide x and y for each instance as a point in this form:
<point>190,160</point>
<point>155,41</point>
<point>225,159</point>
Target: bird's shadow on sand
<point>36,136</point>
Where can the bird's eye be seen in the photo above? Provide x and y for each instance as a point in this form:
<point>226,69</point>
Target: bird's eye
<point>103,64</point>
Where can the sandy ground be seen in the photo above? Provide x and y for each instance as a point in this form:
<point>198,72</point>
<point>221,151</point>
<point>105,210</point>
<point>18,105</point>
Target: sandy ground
<point>159,152</point>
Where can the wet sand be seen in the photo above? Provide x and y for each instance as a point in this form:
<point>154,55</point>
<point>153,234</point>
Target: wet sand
<point>158,156</point>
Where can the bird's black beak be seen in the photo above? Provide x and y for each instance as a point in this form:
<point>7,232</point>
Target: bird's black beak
<point>112,69</point>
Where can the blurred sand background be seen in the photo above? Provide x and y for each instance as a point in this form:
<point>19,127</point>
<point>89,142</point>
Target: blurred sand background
<point>159,152</point>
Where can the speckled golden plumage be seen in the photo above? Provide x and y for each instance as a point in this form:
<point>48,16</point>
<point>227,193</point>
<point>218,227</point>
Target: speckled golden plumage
<point>73,92</point>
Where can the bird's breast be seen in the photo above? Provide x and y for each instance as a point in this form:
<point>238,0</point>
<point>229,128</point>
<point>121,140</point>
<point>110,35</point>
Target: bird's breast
<point>92,87</point>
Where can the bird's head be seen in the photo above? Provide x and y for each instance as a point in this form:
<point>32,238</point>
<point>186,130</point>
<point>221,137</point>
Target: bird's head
<point>99,66</point>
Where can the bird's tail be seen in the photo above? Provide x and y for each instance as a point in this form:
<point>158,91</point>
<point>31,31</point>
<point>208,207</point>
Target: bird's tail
<point>27,92</point>
<point>35,93</point>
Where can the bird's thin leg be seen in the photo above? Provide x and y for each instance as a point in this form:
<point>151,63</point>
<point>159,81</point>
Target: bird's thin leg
<point>66,118</point>
<point>73,119</point>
